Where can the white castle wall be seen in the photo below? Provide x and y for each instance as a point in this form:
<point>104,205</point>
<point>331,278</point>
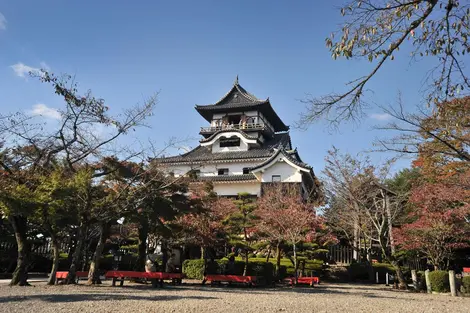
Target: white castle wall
<point>226,189</point>
<point>288,173</point>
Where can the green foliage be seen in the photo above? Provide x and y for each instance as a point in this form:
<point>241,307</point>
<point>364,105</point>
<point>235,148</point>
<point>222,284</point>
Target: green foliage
<point>194,269</point>
<point>466,284</point>
<point>360,271</point>
<point>439,281</point>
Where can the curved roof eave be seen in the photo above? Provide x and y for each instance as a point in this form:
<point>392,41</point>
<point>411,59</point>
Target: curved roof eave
<point>214,135</point>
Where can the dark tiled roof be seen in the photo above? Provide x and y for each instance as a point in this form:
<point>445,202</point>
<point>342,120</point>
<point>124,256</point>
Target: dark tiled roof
<point>239,99</point>
<point>228,178</point>
<point>291,156</point>
<point>204,154</point>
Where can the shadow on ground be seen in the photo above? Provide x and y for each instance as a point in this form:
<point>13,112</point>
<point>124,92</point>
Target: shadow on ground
<point>346,290</point>
<point>55,298</point>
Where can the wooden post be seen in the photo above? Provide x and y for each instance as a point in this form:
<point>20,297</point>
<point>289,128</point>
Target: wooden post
<point>377,277</point>
<point>414,278</point>
<point>453,287</point>
<point>386,279</point>
<point>428,281</point>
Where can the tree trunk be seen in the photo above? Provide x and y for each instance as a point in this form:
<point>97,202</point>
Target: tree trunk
<point>77,253</point>
<point>278,258</point>
<point>295,263</point>
<point>20,227</point>
<point>245,237</point>
<point>55,258</point>
<point>164,254</point>
<point>356,247</point>
<point>391,259</point>
<point>94,273</point>
<point>390,225</point>
<point>401,278</point>
<point>269,254</point>
<point>142,244</point>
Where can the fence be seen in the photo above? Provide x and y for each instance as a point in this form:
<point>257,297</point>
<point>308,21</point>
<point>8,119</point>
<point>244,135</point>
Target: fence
<point>340,254</point>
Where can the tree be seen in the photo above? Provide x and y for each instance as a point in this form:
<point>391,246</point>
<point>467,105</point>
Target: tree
<point>203,226</point>
<point>375,207</point>
<point>443,132</point>
<point>376,30</point>
<point>241,222</point>
<point>54,210</point>
<point>440,216</point>
<point>31,151</point>
<point>285,216</point>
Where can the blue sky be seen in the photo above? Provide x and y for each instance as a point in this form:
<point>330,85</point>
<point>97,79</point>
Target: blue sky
<point>191,52</point>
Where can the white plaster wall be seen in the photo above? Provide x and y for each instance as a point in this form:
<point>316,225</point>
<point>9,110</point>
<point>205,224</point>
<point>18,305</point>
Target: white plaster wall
<point>232,189</point>
<point>210,169</point>
<point>288,173</point>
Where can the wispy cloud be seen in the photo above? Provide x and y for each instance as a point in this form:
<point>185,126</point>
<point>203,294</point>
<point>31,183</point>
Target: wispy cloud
<point>3,22</point>
<point>45,111</point>
<point>23,70</point>
<point>381,116</point>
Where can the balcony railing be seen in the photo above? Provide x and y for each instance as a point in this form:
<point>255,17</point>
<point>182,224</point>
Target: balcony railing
<point>250,126</point>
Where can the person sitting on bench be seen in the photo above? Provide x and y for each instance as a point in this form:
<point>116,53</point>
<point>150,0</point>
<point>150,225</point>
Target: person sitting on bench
<point>151,262</point>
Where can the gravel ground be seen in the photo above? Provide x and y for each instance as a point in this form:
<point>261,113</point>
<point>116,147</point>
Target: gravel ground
<point>195,298</point>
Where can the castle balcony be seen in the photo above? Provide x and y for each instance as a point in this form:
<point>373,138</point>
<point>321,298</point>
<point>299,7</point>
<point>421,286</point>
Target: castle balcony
<point>205,131</point>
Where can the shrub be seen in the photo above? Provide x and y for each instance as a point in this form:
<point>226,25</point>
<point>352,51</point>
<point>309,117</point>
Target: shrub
<point>264,269</point>
<point>439,281</point>
<point>195,269</point>
<point>282,272</point>
<point>466,284</point>
<point>358,271</point>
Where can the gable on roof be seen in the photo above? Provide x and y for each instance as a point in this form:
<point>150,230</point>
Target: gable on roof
<point>281,155</point>
<point>238,94</point>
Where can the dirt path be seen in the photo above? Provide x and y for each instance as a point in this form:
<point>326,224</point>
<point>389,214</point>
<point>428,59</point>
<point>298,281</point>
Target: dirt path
<point>194,298</point>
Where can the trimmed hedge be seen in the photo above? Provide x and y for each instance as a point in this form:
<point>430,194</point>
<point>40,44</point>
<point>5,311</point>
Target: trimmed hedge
<point>466,284</point>
<point>439,281</point>
<point>194,269</point>
<point>360,271</point>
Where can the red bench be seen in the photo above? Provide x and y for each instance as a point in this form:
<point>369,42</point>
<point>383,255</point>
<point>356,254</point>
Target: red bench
<point>305,280</point>
<point>153,276</point>
<point>63,275</point>
<point>466,271</point>
<point>250,280</point>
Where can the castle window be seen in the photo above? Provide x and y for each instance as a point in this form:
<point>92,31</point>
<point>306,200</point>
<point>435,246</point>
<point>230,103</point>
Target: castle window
<point>246,170</point>
<point>276,178</point>
<point>233,141</point>
<point>222,171</point>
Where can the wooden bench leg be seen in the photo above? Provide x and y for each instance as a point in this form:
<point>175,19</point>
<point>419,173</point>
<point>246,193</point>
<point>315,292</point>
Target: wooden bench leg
<point>114,282</point>
<point>154,282</point>
<point>122,282</point>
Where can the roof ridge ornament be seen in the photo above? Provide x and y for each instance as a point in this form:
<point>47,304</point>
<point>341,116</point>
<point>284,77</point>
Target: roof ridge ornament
<point>236,81</point>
